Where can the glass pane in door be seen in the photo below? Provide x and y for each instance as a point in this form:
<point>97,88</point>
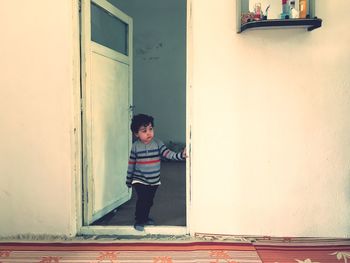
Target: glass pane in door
<point>108,30</point>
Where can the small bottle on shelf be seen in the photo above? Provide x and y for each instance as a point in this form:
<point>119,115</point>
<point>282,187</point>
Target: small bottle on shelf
<point>285,9</point>
<point>257,11</point>
<point>302,8</point>
<point>294,13</point>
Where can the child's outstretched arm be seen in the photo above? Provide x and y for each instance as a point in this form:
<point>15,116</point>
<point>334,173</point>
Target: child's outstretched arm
<point>131,167</point>
<point>168,154</point>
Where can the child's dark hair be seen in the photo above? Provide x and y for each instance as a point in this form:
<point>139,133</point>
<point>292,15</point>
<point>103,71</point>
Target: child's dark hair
<point>140,120</point>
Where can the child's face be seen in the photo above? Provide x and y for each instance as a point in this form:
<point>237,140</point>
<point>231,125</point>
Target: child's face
<point>145,134</point>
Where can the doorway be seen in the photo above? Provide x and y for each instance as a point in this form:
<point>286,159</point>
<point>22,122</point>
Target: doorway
<point>158,88</point>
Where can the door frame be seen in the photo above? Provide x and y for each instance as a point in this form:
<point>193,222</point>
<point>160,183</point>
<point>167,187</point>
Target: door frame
<point>77,143</point>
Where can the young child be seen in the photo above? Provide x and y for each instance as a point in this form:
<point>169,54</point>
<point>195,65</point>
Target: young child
<point>144,167</point>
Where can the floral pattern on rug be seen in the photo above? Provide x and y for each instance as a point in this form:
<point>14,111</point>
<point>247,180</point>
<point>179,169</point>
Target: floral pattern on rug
<point>109,256</point>
<point>342,255</point>
<point>4,254</point>
<point>163,259</point>
<point>50,260</point>
<point>221,256</point>
<point>209,256</point>
<point>173,254</point>
<point>322,257</point>
<point>306,261</point>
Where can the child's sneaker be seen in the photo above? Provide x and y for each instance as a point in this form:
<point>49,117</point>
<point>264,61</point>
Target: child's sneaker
<point>139,227</point>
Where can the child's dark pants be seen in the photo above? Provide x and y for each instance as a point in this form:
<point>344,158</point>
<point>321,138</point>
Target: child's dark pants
<point>145,196</point>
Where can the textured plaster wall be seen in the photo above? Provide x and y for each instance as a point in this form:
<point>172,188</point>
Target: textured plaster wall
<point>36,179</point>
<point>271,129</point>
<point>160,63</point>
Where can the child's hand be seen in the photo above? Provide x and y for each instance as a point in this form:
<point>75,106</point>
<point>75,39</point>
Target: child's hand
<point>184,154</point>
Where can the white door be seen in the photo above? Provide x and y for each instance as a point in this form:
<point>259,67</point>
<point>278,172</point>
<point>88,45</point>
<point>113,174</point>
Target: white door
<point>106,106</point>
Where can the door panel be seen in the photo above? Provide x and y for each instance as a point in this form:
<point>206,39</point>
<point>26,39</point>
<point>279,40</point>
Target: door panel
<point>110,133</point>
<point>107,98</point>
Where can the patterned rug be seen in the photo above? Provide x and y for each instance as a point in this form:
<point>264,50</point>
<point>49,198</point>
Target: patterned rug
<point>304,253</point>
<point>171,252</point>
<point>192,252</point>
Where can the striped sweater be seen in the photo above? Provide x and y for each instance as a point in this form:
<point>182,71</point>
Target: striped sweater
<point>144,162</point>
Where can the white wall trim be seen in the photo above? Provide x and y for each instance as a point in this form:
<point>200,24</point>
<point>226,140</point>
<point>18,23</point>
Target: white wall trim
<point>189,70</point>
<point>76,131</point>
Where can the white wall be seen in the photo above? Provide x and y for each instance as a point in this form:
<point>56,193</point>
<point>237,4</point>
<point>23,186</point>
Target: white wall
<point>36,114</point>
<point>271,129</point>
<point>160,63</point>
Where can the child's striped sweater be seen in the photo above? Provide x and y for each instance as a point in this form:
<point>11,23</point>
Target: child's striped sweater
<point>144,162</point>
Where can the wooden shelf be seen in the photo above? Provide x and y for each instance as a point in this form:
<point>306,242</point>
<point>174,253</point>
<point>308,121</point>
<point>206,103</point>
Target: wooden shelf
<point>309,24</point>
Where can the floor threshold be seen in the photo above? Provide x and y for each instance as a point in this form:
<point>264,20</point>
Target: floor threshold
<point>130,231</point>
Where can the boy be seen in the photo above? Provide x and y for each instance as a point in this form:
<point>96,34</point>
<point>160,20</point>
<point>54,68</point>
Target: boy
<point>144,167</point>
